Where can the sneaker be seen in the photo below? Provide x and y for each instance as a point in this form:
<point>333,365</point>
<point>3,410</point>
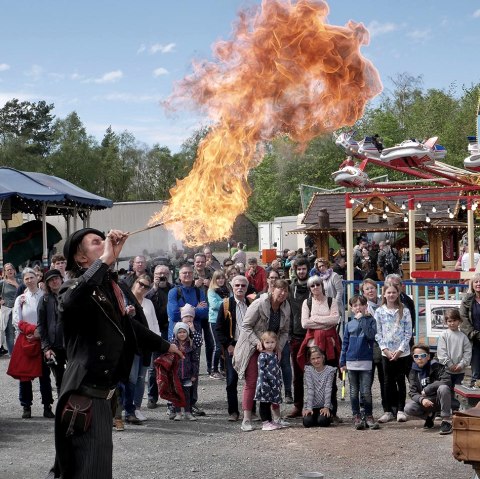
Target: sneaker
<point>288,398</point>
<point>190,417</point>
<point>132,419</point>
<point>27,412</point>
<point>196,411</point>
<point>246,426</point>
<point>139,415</point>
<point>370,422</point>
<point>151,404</point>
<point>178,416</point>
<point>429,423</point>
<point>48,413</point>
<point>446,428</point>
<point>171,414</point>
<point>255,418</point>
<point>216,375</point>
<point>270,426</point>
<point>118,424</point>
<point>281,422</point>
<point>401,416</point>
<point>233,417</point>
<point>386,417</point>
<point>358,424</point>
<point>295,412</point>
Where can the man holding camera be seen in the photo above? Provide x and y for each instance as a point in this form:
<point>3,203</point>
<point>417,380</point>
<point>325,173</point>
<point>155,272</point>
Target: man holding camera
<point>159,297</point>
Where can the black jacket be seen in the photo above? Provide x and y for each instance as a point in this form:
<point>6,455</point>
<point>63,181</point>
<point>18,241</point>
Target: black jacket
<point>49,325</point>
<point>226,325</point>
<point>159,298</point>
<point>298,294</point>
<point>428,379</point>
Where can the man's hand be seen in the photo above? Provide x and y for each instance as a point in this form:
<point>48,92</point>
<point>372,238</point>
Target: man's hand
<point>173,349</point>
<point>259,346</point>
<point>202,304</point>
<point>231,350</point>
<point>113,245</point>
<point>48,354</point>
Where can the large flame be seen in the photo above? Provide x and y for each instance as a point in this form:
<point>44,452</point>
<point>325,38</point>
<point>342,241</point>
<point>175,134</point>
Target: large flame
<point>284,71</point>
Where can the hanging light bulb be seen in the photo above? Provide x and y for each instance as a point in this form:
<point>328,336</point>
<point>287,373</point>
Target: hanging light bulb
<point>352,201</point>
<point>387,209</point>
<point>403,207</point>
<point>474,206</point>
<point>434,210</point>
<point>464,206</point>
<point>427,218</point>
<point>384,216</point>
<point>370,206</point>
<point>364,209</point>
<point>405,218</point>
<point>419,205</point>
<point>449,210</point>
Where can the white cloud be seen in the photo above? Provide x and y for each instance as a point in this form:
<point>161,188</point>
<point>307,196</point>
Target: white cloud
<point>20,95</point>
<point>109,77</point>
<point>57,76</point>
<point>76,76</point>
<point>141,48</point>
<point>35,72</point>
<point>4,67</point>
<point>420,35</point>
<point>128,98</point>
<point>376,28</point>
<point>158,72</point>
<point>476,13</point>
<point>158,47</point>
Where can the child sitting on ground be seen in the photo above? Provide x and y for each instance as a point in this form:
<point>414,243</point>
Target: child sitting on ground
<point>188,340</point>
<point>356,358</point>
<point>269,382</point>
<point>430,390</point>
<point>454,349</point>
<point>318,378</point>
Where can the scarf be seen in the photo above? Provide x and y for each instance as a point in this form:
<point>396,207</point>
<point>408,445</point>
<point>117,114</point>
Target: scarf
<point>325,276</point>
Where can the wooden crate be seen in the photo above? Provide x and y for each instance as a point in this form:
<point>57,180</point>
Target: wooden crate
<point>466,437</point>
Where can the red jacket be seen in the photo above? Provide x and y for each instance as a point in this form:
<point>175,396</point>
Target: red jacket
<point>323,339</point>
<point>26,361</point>
<point>258,280</point>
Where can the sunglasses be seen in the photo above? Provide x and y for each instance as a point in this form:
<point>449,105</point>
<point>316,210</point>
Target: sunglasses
<point>420,356</point>
<point>143,285</point>
<point>314,285</point>
<point>239,285</point>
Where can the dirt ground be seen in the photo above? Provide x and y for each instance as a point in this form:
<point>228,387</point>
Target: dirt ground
<point>214,448</point>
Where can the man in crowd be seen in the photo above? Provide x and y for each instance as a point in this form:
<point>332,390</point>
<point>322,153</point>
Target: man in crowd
<point>228,327</point>
<point>50,327</point>
<point>139,267</point>
<point>298,294</point>
<point>257,276</point>
<point>239,256</point>
<point>59,262</point>
<point>159,297</point>
<point>388,259</point>
<point>212,262</point>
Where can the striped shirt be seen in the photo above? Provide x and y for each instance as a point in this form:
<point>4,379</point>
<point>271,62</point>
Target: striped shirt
<point>318,385</point>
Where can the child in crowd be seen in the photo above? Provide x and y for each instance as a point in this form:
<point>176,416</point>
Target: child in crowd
<point>454,349</point>
<point>368,288</point>
<point>430,390</point>
<point>394,330</point>
<point>188,340</point>
<point>269,382</point>
<point>318,378</point>
<point>357,357</point>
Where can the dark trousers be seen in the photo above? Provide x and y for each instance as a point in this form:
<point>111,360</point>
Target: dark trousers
<point>286,368</point>
<point>187,391</point>
<point>381,379</point>
<point>93,450</point>
<point>208,342</point>
<point>217,352</point>
<point>395,387</point>
<point>232,385</point>
<point>334,363</point>
<point>297,374</point>
<point>266,411</point>
<point>10,334</point>
<point>475,359</point>
<point>26,393</point>
<point>316,419</point>
<point>59,369</point>
<point>152,380</point>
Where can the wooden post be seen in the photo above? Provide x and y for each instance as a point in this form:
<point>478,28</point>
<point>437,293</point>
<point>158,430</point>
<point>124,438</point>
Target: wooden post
<point>470,234</point>
<point>411,234</point>
<point>349,236</point>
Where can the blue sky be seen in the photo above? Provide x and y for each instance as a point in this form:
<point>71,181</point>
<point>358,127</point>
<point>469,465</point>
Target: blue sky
<point>114,61</point>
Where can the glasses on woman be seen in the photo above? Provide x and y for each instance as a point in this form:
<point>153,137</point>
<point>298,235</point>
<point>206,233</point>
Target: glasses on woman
<point>143,285</point>
<point>315,285</point>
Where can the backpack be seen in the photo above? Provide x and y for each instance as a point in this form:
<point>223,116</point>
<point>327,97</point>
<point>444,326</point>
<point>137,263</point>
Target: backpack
<point>391,263</point>
<point>309,303</point>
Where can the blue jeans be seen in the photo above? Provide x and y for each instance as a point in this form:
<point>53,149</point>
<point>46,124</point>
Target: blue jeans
<point>286,369</point>
<point>360,386</point>
<point>10,334</point>
<point>135,387</point>
<point>232,384</point>
<point>475,360</point>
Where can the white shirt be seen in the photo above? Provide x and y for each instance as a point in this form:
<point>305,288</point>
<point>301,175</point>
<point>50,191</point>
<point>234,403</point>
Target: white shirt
<point>466,261</point>
<point>26,311</point>
<point>149,311</point>
<point>240,311</point>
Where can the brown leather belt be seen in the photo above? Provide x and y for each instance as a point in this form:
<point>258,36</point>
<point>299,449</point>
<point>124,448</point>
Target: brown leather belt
<point>96,392</point>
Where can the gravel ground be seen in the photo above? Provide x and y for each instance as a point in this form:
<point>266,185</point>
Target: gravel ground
<point>214,448</point>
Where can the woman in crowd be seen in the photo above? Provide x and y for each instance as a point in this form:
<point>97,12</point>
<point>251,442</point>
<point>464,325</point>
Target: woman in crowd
<point>320,317</point>
<point>271,312</point>
<point>8,289</point>
<point>470,314</point>
<point>217,292</point>
<point>27,358</point>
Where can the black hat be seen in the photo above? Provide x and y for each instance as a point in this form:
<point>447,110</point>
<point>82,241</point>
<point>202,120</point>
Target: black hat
<point>51,273</point>
<point>71,245</point>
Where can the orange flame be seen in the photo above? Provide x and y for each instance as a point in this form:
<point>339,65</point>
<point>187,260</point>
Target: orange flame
<point>285,71</point>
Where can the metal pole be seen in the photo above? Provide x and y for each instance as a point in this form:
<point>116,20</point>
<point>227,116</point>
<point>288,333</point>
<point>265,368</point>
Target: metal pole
<point>1,236</point>
<point>349,242</point>
<point>411,234</point>
<point>44,236</point>
<point>470,235</point>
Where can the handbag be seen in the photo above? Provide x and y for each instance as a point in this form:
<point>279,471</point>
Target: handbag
<point>77,414</point>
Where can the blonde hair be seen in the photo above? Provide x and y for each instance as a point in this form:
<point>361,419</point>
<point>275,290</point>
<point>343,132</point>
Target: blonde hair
<point>216,275</point>
<point>398,303</point>
<point>474,277</point>
<point>269,335</point>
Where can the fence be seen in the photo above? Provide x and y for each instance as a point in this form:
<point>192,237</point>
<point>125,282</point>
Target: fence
<point>420,293</point>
